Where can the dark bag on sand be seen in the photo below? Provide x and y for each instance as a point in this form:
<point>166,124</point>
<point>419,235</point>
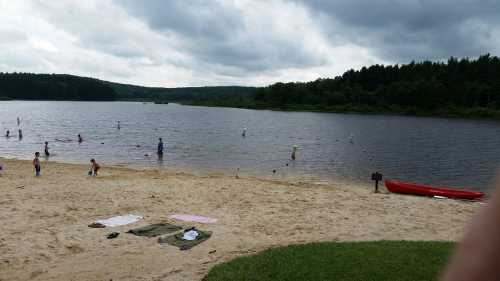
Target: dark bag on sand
<point>176,239</point>
<point>155,229</point>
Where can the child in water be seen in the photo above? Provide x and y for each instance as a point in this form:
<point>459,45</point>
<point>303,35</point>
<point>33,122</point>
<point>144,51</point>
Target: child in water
<point>94,168</point>
<point>46,149</point>
<point>160,147</point>
<point>36,164</point>
<point>294,150</point>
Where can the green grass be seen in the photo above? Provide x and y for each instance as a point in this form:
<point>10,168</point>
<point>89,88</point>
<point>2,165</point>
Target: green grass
<point>366,261</point>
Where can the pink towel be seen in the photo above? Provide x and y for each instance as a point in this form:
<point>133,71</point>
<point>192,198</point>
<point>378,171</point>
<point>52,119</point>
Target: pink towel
<point>192,218</point>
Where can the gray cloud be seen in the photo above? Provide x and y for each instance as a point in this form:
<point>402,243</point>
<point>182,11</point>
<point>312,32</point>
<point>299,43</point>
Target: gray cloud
<point>414,29</point>
<point>222,33</point>
<point>237,42</point>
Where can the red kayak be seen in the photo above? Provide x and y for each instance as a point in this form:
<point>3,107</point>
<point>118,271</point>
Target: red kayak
<point>425,190</point>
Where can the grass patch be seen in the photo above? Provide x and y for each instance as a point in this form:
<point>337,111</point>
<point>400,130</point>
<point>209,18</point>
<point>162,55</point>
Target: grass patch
<point>380,260</point>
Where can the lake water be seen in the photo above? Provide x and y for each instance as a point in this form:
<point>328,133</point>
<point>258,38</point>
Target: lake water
<point>437,151</point>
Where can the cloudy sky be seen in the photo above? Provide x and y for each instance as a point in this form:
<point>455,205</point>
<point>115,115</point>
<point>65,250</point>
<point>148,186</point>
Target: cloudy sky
<point>237,42</point>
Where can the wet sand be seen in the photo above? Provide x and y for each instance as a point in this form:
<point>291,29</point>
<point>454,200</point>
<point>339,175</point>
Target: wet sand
<point>44,234</point>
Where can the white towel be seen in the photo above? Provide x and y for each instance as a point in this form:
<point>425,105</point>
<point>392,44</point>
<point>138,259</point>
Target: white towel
<point>190,235</point>
<point>120,220</point>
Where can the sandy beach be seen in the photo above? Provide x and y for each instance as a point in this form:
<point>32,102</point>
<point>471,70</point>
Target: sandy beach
<point>44,234</point>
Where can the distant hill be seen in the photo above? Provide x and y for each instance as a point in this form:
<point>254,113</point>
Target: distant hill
<point>458,87</point>
<point>29,86</point>
<point>184,94</point>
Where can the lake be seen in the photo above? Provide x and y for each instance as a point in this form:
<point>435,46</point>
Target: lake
<point>437,151</point>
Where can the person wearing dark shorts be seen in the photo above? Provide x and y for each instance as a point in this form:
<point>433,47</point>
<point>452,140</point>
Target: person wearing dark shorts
<point>46,149</point>
<point>94,168</point>
<point>160,148</point>
<point>36,164</point>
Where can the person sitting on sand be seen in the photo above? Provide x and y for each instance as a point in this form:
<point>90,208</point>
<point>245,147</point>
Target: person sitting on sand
<point>94,168</point>
<point>46,149</point>
<point>36,164</point>
<point>160,147</point>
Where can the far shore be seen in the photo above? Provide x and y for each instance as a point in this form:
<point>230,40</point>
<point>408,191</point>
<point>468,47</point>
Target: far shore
<point>45,235</point>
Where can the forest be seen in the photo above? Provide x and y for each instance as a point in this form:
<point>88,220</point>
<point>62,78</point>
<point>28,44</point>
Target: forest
<point>29,86</point>
<point>456,87</point>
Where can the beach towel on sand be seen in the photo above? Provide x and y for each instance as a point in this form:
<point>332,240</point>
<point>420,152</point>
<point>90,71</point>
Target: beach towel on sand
<point>120,220</point>
<point>192,218</point>
<point>183,244</point>
<point>155,229</point>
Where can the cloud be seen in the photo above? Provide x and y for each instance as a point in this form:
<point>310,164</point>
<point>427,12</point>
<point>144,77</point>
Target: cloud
<point>250,36</point>
<point>401,31</point>
<point>236,42</point>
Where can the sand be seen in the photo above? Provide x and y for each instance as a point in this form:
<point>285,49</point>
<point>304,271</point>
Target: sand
<point>44,233</point>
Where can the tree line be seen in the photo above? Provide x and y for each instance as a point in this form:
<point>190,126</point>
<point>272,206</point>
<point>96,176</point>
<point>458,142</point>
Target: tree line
<point>29,86</point>
<point>455,87</point>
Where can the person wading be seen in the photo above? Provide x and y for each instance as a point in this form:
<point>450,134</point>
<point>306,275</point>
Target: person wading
<point>160,147</point>
<point>46,149</point>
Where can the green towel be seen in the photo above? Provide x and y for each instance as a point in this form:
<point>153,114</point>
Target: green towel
<point>176,239</point>
<point>155,229</point>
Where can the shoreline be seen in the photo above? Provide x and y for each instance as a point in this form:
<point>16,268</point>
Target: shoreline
<point>199,172</point>
<point>306,109</point>
<point>45,234</point>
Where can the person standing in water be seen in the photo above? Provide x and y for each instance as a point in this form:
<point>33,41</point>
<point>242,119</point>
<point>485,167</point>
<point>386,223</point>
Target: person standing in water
<point>18,121</point>
<point>7,134</point>
<point>294,150</point>
<point>160,148</point>
<point>36,164</point>
<point>46,149</point>
<point>20,134</point>
<point>118,125</point>
<point>80,140</point>
<point>244,133</point>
